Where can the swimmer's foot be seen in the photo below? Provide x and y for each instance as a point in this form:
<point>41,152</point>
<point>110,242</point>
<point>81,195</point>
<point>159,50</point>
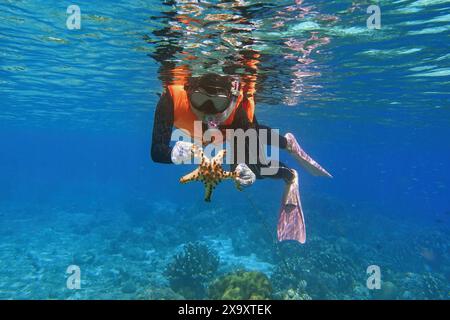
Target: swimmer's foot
<point>291,223</point>
<point>303,158</point>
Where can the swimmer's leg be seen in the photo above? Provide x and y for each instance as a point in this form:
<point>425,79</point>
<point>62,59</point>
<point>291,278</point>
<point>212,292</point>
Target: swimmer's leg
<point>289,142</point>
<point>291,221</point>
<point>310,165</point>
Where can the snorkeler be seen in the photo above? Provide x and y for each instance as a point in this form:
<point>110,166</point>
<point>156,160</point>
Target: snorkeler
<point>223,102</point>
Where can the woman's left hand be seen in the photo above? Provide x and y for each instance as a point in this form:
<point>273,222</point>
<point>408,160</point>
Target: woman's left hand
<point>246,177</point>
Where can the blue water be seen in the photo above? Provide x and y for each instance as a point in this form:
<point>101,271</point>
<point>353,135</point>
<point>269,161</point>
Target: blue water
<point>78,187</point>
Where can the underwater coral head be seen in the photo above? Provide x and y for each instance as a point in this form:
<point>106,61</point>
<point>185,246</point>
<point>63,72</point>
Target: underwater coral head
<point>190,270</point>
<point>209,172</point>
<point>241,285</point>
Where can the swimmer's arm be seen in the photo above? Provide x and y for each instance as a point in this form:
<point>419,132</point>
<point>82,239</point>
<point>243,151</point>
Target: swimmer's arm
<point>162,130</point>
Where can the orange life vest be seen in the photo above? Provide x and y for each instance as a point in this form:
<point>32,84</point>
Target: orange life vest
<point>184,117</point>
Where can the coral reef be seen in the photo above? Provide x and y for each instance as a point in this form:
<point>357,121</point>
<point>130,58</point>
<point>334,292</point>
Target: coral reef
<point>140,254</point>
<point>241,285</point>
<point>160,294</point>
<point>192,269</point>
<point>422,286</point>
<point>388,291</point>
<point>253,240</point>
<point>292,294</point>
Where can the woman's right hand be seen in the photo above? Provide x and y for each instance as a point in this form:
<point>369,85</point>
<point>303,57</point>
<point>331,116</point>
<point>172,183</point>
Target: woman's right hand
<point>182,152</point>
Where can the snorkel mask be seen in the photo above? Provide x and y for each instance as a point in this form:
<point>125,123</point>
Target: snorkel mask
<point>214,103</point>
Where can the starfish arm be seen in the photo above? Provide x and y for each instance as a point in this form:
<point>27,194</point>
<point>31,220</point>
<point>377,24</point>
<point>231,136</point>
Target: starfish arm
<point>227,175</point>
<point>219,157</point>
<point>208,192</point>
<point>197,152</point>
<point>192,176</point>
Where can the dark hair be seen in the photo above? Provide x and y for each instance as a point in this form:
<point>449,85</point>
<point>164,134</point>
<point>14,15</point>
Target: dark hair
<point>211,83</point>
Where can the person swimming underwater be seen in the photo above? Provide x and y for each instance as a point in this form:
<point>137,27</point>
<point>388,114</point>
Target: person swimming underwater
<point>223,102</point>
